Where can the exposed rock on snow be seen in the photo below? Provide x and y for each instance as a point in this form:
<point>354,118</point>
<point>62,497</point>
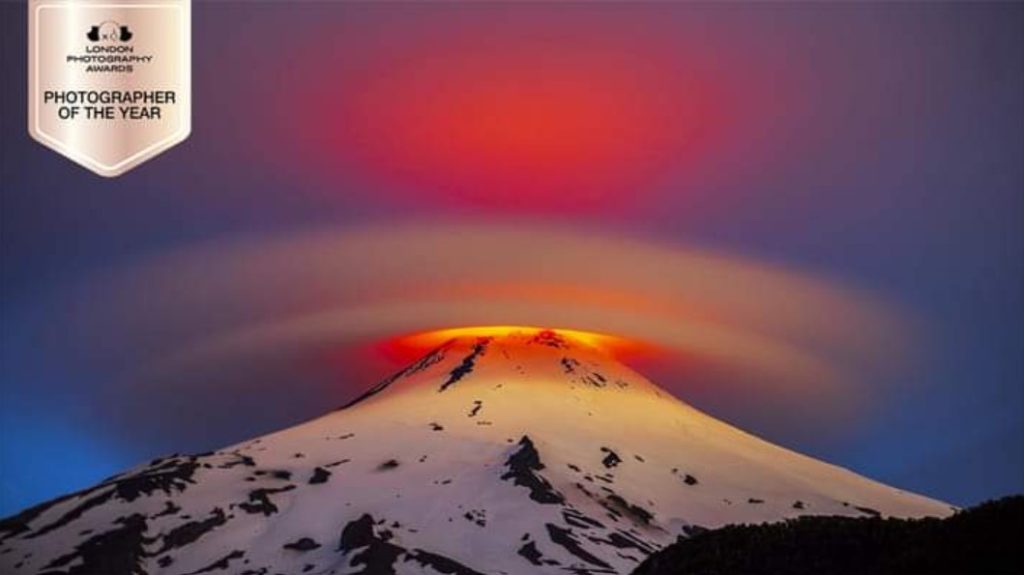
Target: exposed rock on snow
<point>529,453</point>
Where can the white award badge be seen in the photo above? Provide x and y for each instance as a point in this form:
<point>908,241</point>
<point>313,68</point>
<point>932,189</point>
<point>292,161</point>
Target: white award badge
<point>109,80</point>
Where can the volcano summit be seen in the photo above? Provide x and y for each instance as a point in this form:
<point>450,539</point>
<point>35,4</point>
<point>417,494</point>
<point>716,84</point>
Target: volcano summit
<point>521,453</point>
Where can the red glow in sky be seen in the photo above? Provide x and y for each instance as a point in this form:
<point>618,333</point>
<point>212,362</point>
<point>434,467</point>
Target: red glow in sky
<point>514,125</point>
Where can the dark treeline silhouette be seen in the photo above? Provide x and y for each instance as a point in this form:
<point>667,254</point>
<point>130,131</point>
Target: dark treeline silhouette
<point>981,540</point>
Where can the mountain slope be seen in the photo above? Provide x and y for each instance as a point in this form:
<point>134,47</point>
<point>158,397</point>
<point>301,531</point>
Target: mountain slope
<point>529,452</point>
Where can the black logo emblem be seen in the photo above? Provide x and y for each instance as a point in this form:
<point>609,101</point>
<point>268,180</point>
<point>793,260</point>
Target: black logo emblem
<point>109,31</point>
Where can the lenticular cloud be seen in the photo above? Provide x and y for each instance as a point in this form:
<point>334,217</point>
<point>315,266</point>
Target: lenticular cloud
<point>226,307</point>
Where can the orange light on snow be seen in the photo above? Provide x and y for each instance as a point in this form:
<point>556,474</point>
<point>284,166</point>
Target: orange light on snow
<point>414,345</point>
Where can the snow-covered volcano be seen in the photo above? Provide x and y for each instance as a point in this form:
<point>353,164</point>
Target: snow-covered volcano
<point>529,452</point>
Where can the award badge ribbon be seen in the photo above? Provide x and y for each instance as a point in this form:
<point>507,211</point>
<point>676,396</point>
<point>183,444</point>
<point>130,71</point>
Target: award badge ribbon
<point>109,80</point>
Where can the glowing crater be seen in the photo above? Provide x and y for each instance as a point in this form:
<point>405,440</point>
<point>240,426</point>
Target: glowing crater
<point>415,344</point>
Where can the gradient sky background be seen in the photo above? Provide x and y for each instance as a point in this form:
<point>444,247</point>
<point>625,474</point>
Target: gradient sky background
<point>878,145</point>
